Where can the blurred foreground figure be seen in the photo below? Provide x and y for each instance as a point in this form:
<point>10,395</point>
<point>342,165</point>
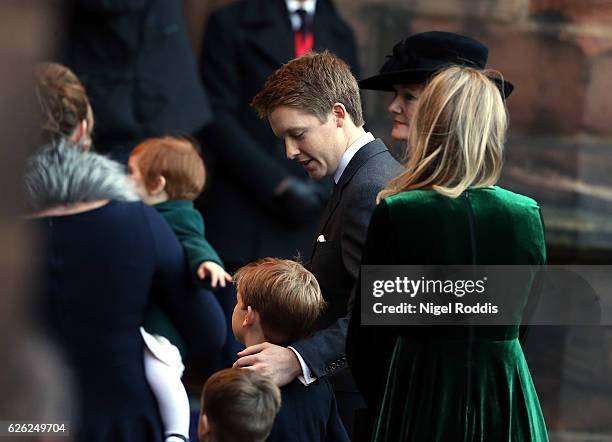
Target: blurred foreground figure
<point>65,106</point>
<point>31,379</point>
<point>237,406</point>
<point>107,256</point>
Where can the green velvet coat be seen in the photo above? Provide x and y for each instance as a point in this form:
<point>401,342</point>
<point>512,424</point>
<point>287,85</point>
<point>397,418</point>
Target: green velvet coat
<point>449,383</point>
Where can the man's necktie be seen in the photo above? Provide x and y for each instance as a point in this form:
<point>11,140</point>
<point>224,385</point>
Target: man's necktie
<point>303,37</point>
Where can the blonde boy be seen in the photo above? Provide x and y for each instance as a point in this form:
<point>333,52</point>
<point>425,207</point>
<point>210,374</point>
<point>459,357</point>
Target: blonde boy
<point>278,302</point>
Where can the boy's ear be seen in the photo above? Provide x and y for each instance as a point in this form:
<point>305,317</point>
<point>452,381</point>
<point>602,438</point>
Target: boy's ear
<point>204,427</point>
<point>251,318</point>
<point>160,185</point>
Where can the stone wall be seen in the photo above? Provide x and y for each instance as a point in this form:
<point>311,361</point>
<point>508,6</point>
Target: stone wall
<point>557,53</point>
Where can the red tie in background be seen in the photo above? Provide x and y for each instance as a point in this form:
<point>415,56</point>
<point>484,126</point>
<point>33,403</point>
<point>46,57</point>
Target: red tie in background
<point>303,37</point>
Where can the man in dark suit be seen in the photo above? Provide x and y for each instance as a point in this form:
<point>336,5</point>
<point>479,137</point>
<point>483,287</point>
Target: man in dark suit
<point>257,203</point>
<point>139,70</point>
<point>313,105</point>
<point>247,215</point>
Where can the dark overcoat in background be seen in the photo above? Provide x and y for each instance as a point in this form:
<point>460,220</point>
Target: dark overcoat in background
<point>139,70</point>
<point>243,44</point>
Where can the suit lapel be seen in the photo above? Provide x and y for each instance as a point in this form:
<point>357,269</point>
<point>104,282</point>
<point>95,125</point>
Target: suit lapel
<point>269,30</point>
<point>371,149</point>
<point>364,154</point>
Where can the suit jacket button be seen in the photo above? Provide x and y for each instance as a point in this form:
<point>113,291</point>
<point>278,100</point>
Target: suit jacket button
<point>333,365</point>
<point>328,369</point>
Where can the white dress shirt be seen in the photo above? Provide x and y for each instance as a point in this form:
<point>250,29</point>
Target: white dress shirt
<point>293,5</point>
<point>306,377</point>
<point>349,153</point>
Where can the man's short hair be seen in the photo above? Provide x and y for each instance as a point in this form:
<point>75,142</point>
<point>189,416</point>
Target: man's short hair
<point>311,83</point>
<point>286,296</point>
<point>241,405</point>
<point>178,160</point>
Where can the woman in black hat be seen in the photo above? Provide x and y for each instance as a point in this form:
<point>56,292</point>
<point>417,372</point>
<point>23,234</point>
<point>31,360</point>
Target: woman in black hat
<point>449,376</point>
<point>414,61</point>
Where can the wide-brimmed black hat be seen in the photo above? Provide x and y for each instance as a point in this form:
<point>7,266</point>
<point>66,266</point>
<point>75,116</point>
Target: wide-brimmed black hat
<point>420,56</point>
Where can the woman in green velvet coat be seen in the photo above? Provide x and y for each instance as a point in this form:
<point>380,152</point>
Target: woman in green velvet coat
<point>453,383</point>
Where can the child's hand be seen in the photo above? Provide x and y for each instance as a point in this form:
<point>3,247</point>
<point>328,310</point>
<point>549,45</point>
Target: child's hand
<point>215,271</point>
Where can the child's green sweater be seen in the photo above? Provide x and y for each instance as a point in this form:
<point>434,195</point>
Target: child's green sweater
<point>188,226</point>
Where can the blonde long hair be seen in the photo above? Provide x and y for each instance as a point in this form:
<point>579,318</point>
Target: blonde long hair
<point>456,136</point>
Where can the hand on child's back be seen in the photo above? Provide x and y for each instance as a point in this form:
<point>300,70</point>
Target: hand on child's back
<point>217,274</point>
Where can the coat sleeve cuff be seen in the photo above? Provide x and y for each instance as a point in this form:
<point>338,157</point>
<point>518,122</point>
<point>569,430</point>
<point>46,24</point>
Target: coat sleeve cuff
<point>306,377</point>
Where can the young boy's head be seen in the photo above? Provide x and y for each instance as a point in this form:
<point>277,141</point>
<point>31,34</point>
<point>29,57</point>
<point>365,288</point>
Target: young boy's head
<point>238,405</point>
<point>278,301</point>
<point>167,169</point>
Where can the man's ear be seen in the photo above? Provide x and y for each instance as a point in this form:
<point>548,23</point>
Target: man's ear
<point>340,114</point>
<point>251,318</point>
<point>204,427</point>
<point>160,185</point>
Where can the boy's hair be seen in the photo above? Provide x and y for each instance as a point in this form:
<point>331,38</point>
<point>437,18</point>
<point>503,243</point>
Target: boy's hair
<point>178,160</point>
<point>240,405</point>
<point>286,296</point>
<point>63,100</point>
<point>311,83</point>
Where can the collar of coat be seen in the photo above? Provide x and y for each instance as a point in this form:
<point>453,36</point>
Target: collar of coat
<point>61,173</point>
